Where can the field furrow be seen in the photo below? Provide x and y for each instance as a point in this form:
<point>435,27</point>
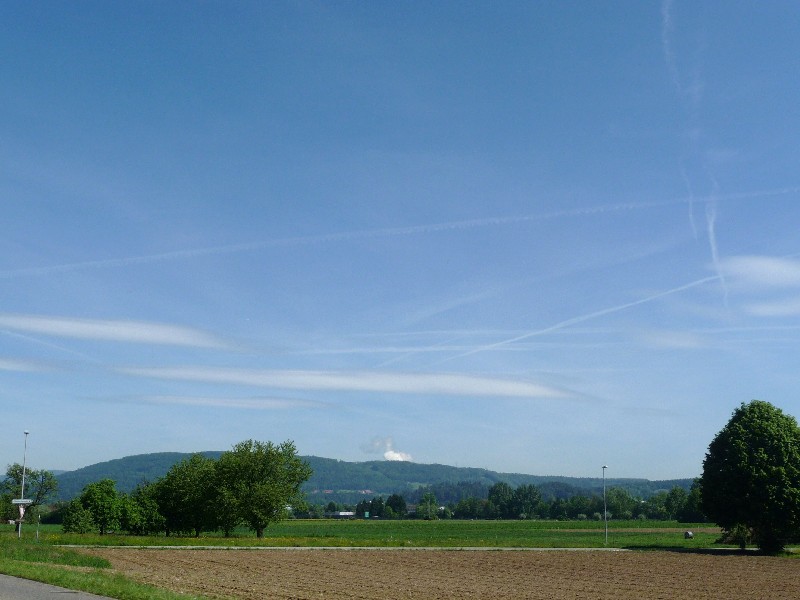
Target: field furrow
<point>445,574</point>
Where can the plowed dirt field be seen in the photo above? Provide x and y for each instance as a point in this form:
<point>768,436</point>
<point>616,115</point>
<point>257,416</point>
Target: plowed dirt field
<point>434,574</point>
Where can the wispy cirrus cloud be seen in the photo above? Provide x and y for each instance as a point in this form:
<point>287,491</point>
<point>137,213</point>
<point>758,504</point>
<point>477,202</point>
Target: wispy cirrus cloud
<point>27,366</point>
<point>765,275</point>
<point>255,402</point>
<point>451,384</point>
<point>678,340</point>
<point>762,271</point>
<point>787,307</point>
<point>137,332</point>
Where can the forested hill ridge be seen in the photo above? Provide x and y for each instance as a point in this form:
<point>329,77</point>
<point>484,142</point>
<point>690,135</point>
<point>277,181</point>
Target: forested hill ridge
<point>342,481</point>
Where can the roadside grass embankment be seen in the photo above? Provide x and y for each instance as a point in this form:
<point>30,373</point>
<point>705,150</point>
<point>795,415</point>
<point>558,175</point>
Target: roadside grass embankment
<point>41,560</point>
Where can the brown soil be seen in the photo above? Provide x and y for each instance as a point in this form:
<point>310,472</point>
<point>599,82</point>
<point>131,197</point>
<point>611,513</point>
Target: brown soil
<point>296,574</point>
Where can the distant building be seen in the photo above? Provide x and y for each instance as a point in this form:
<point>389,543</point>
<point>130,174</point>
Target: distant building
<point>341,514</point>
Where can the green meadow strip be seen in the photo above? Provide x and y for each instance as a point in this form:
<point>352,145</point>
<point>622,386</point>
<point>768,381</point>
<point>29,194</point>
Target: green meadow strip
<point>440,534</point>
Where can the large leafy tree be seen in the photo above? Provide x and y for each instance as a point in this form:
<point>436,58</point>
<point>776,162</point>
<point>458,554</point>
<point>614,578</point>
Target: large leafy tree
<point>692,511</point>
<point>40,486</point>
<point>103,503</point>
<point>185,495</point>
<point>398,505</point>
<point>226,515</point>
<point>76,518</point>
<point>428,507</point>
<point>526,500</point>
<point>470,508</point>
<point>620,503</point>
<point>501,501</point>
<point>261,480</point>
<point>751,476</point>
<point>676,501</point>
<point>140,513</point>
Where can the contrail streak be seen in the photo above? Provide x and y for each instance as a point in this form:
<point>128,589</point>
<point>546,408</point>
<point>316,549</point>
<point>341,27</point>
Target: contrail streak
<point>666,45</point>
<point>378,233</point>
<point>586,317</point>
<point>691,201</point>
<point>330,238</point>
<point>711,218</point>
<point>327,238</point>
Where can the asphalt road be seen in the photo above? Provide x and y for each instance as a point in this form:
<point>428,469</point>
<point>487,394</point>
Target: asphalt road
<point>13,588</point>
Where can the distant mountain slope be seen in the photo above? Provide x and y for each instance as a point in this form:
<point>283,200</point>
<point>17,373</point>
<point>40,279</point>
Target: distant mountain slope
<point>344,481</point>
<point>128,472</point>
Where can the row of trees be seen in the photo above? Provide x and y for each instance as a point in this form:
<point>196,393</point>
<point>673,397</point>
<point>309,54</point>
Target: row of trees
<point>526,502</point>
<point>254,484</point>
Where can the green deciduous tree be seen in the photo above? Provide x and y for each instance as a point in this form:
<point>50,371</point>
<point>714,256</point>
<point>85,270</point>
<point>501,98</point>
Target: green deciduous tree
<point>692,511</point>
<point>620,503</point>
<point>676,501</point>
<point>103,503</point>
<point>40,486</point>
<point>140,514</point>
<point>525,502</point>
<point>655,506</point>
<point>501,501</point>
<point>751,476</point>
<point>428,507</point>
<point>580,505</point>
<point>469,508</point>
<point>263,480</point>
<point>226,515</point>
<point>185,496</point>
<point>398,505</point>
<point>77,519</point>
<point>362,508</point>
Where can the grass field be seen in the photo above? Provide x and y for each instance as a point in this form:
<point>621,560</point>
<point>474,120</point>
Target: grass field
<point>440,534</point>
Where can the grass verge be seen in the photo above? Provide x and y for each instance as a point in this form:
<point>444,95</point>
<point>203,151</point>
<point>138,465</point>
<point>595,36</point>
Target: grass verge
<point>69,569</point>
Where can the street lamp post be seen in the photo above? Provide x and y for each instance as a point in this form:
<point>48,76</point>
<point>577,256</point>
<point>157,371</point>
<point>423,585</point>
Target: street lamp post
<point>605,509</point>
<point>22,492</point>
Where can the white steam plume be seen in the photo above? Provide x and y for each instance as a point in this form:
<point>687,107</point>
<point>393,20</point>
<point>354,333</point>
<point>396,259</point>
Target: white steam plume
<point>385,446</point>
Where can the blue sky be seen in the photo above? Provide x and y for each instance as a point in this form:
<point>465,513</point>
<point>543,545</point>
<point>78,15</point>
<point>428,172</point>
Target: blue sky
<point>535,237</point>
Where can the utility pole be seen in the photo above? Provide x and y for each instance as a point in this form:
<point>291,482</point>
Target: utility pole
<point>22,502</point>
<point>605,509</point>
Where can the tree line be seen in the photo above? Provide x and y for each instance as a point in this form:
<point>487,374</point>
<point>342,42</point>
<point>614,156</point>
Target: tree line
<point>524,502</point>
<point>254,484</point>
